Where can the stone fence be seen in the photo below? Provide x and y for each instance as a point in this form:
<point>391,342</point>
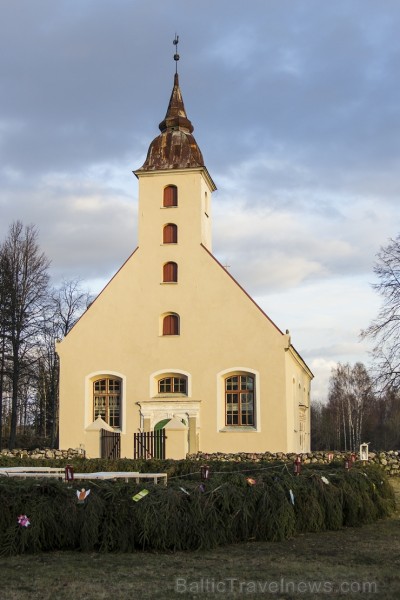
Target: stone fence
<point>389,460</point>
<point>44,453</point>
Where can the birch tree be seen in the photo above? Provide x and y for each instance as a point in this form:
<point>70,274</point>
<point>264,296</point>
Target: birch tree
<point>350,395</point>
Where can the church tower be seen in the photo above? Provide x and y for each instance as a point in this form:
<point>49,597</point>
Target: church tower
<point>174,185</point>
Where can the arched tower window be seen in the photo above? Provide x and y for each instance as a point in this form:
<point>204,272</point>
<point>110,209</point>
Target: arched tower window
<point>170,272</point>
<point>170,196</point>
<point>171,324</point>
<point>170,234</point>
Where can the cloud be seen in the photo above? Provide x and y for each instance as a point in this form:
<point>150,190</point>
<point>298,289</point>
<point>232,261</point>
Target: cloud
<point>296,107</point>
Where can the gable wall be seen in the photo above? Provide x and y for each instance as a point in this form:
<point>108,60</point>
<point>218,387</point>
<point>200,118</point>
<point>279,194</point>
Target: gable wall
<point>222,331</point>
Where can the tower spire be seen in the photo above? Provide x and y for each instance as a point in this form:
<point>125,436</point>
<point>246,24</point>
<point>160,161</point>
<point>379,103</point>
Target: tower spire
<point>175,147</point>
<point>176,55</point>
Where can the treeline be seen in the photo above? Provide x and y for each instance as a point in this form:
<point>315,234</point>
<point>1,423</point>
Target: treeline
<point>33,315</point>
<point>362,406</point>
<point>356,412</point>
<point>365,406</point>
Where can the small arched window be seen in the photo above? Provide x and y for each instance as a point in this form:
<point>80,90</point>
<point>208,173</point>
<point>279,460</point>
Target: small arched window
<point>171,324</point>
<point>170,234</point>
<point>170,272</point>
<point>172,385</point>
<point>170,196</point>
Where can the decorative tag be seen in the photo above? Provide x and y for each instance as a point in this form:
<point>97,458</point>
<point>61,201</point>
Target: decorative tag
<point>325,480</point>
<point>82,495</point>
<point>183,490</point>
<point>140,495</point>
<point>291,497</point>
<point>251,481</point>
<point>23,521</point>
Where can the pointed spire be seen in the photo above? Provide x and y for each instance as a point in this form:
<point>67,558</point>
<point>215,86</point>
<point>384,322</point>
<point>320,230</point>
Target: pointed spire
<point>176,117</point>
<point>175,147</point>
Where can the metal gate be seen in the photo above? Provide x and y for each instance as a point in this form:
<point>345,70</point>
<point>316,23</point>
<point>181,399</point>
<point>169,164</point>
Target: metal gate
<point>149,444</point>
<point>110,444</point>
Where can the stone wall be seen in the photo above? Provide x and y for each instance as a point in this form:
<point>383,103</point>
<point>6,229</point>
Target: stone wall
<point>44,453</point>
<point>389,461</point>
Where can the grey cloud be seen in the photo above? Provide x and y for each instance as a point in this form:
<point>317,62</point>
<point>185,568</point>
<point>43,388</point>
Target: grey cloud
<point>296,107</point>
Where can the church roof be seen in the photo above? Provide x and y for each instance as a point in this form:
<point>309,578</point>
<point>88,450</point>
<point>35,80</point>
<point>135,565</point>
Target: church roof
<point>175,147</point>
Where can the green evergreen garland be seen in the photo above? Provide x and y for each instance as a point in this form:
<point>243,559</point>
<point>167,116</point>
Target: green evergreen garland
<point>185,515</point>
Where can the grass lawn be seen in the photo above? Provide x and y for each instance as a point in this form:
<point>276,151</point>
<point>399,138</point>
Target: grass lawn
<point>350,563</point>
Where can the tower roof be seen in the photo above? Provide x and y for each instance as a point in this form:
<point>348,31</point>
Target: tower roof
<point>175,147</point>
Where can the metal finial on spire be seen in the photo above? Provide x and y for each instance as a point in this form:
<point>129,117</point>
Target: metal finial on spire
<point>176,55</point>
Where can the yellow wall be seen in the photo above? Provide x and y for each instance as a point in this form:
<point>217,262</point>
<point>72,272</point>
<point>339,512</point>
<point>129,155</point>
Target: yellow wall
<point>222,331</point>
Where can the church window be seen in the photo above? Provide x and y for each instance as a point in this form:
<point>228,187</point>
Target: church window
<point>172,385</point>
<point>170,272</point>
<point>107,400</point>
<point>170,196</point>
<point>239,400</point>
<point>170,234</point>
<point>171,324</point>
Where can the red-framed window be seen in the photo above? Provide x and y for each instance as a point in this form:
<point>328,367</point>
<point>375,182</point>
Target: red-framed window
<point>171,324</point>
<point>170,272</point>
<point>170,196</point>
<point>170,234</point>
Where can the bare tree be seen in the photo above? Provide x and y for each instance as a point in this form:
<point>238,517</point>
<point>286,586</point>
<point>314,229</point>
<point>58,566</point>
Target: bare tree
<point>385,329</point>
<point>350,395</point>
<point>25,286</point>
<point>68,302</point>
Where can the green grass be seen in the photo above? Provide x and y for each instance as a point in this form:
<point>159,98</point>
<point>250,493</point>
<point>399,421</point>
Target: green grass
<point>361,555</point>
<point>349,556</point>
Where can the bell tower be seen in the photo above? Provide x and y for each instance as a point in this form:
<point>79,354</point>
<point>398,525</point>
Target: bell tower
<point>174,185</point>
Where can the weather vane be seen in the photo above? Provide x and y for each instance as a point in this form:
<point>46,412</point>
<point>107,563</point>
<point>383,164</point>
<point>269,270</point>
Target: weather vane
<point>176,55</point>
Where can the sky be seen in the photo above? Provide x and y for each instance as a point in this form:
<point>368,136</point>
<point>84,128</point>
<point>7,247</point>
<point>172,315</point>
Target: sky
<point>296,108</point>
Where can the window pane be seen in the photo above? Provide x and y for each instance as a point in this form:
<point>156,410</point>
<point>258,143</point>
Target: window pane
<point>232,383</point>
<point>113,409</point>
<point>114,385</point>
<point>100,385</point>
<point>247,383</point>
<point>164,385</point>
<point>180,385</point>
<point>100,407</point>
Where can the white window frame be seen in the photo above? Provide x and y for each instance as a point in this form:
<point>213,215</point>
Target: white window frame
<point>221,376</point>
<point>88,413</point>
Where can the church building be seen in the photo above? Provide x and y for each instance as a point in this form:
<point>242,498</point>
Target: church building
<point>173,343</point>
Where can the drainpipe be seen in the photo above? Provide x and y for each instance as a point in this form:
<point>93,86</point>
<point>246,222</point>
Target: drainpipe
<point>141,416</point>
